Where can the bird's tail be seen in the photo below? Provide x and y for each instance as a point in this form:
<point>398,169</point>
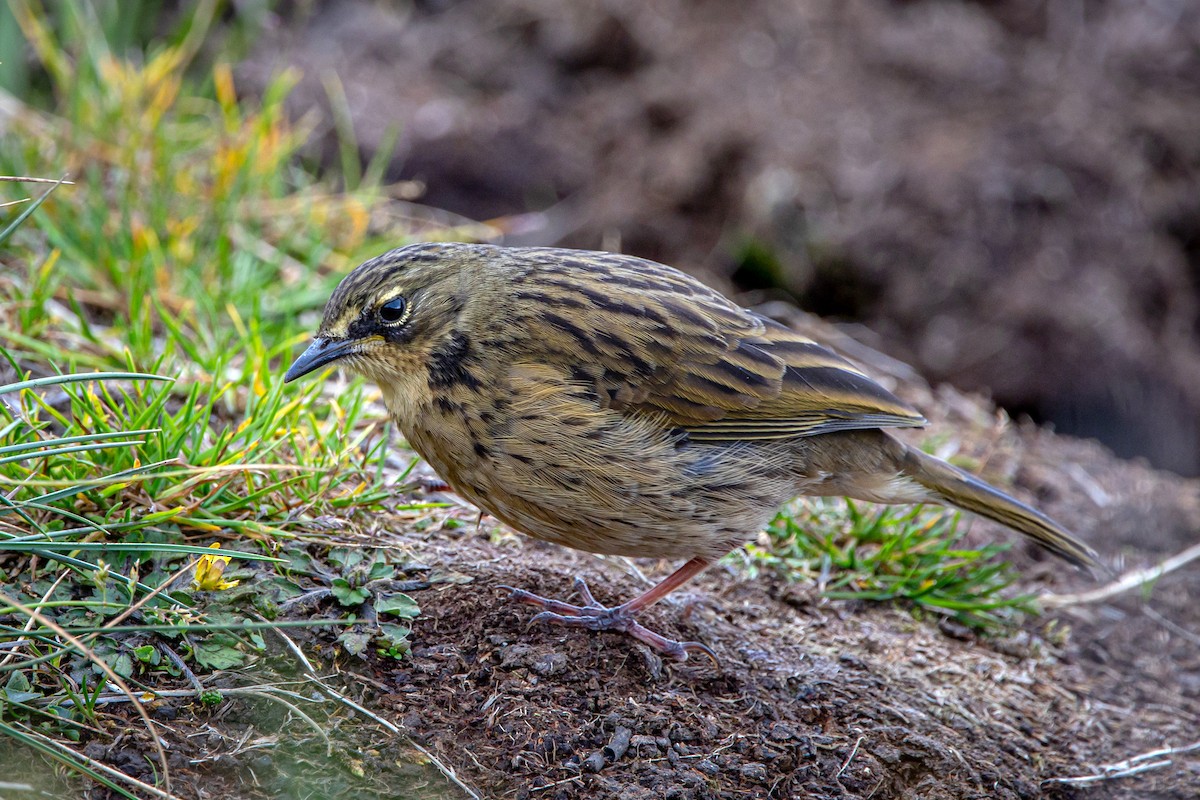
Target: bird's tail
<point>969,493</point>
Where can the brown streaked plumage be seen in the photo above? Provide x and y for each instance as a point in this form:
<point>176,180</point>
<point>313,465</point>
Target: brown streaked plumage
<point>616,405</point>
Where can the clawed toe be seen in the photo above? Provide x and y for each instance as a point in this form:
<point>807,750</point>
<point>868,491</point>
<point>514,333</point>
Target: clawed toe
<point>582,588</point>
<point>597,617</point>
<point>699,647</point>
<point>604,621</point>
<point>557,607</point>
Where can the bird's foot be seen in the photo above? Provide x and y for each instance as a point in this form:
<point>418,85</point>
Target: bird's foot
<point>596,617</point>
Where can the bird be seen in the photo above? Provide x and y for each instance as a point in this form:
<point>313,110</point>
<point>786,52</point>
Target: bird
<point>615,405</point>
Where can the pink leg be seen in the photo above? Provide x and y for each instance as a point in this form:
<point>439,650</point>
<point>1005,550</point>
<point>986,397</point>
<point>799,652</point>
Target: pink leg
<point>596,617</point>
<point>435,485</point>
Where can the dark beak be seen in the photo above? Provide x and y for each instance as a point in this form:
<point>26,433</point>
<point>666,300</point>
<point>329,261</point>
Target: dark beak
<point>318,354</point>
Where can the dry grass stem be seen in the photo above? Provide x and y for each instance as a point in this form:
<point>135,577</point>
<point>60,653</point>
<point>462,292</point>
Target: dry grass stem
<point>1155,759</point>
<point>1130,580</point>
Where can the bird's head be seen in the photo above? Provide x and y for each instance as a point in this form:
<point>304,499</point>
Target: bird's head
<point>391,316</point>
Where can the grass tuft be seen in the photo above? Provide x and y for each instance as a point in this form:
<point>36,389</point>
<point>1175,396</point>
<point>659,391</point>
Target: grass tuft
<point>146,313</point>
<point>906,554</point>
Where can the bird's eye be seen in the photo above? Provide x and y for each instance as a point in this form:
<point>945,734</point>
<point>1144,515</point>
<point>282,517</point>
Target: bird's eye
<point>393,310</point>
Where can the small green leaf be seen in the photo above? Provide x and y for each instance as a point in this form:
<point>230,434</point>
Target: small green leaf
<point>345,558</point>
<point>18,689</point>
<point>354,641</point>
<point>398,605</point>
<point>217,652</point>
<point>346,594</point>
<point>122,665</point>
<point>147,654</point>
<point>381,569</point>
<point>395,639</point>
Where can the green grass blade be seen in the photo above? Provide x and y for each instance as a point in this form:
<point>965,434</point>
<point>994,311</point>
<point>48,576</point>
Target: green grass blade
<point>129,547</point>
<point>27,211</point>
<point>65,440</point>
<point>60,451</point>
<point>79,377</point>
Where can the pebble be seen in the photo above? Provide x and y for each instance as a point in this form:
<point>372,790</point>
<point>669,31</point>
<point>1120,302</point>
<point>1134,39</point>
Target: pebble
<point>549,664</point>
<point>754,771</point>
<point>645,745</point>
<point>781,732</point>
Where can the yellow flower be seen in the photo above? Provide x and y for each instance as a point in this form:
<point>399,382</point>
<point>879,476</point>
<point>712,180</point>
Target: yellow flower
<point>209,572</point>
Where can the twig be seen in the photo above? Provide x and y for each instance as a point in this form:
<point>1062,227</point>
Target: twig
<point>1130,580</point>
<point>272,696</point>
<point>296,651</point>
<point>849,758</point>
<point>571,779</point>
<point>1130,766</point>
<point>22,179</point>
<point>234,691</point>
<point>309,598</point>
<point>182,666</point>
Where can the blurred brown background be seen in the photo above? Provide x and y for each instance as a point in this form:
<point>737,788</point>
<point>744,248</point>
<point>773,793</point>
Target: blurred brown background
<point>1006,193</point>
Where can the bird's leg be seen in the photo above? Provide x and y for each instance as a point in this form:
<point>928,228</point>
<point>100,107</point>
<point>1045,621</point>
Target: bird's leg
<point>594,616</point>
<point>434,485</point>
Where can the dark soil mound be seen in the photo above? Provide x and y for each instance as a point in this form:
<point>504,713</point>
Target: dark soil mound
<point>1006,192</point>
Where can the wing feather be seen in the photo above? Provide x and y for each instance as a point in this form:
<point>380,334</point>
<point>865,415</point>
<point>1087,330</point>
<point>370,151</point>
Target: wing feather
<point>649,339</point>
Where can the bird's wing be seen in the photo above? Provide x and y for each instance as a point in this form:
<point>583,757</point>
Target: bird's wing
<point>650,339</point>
